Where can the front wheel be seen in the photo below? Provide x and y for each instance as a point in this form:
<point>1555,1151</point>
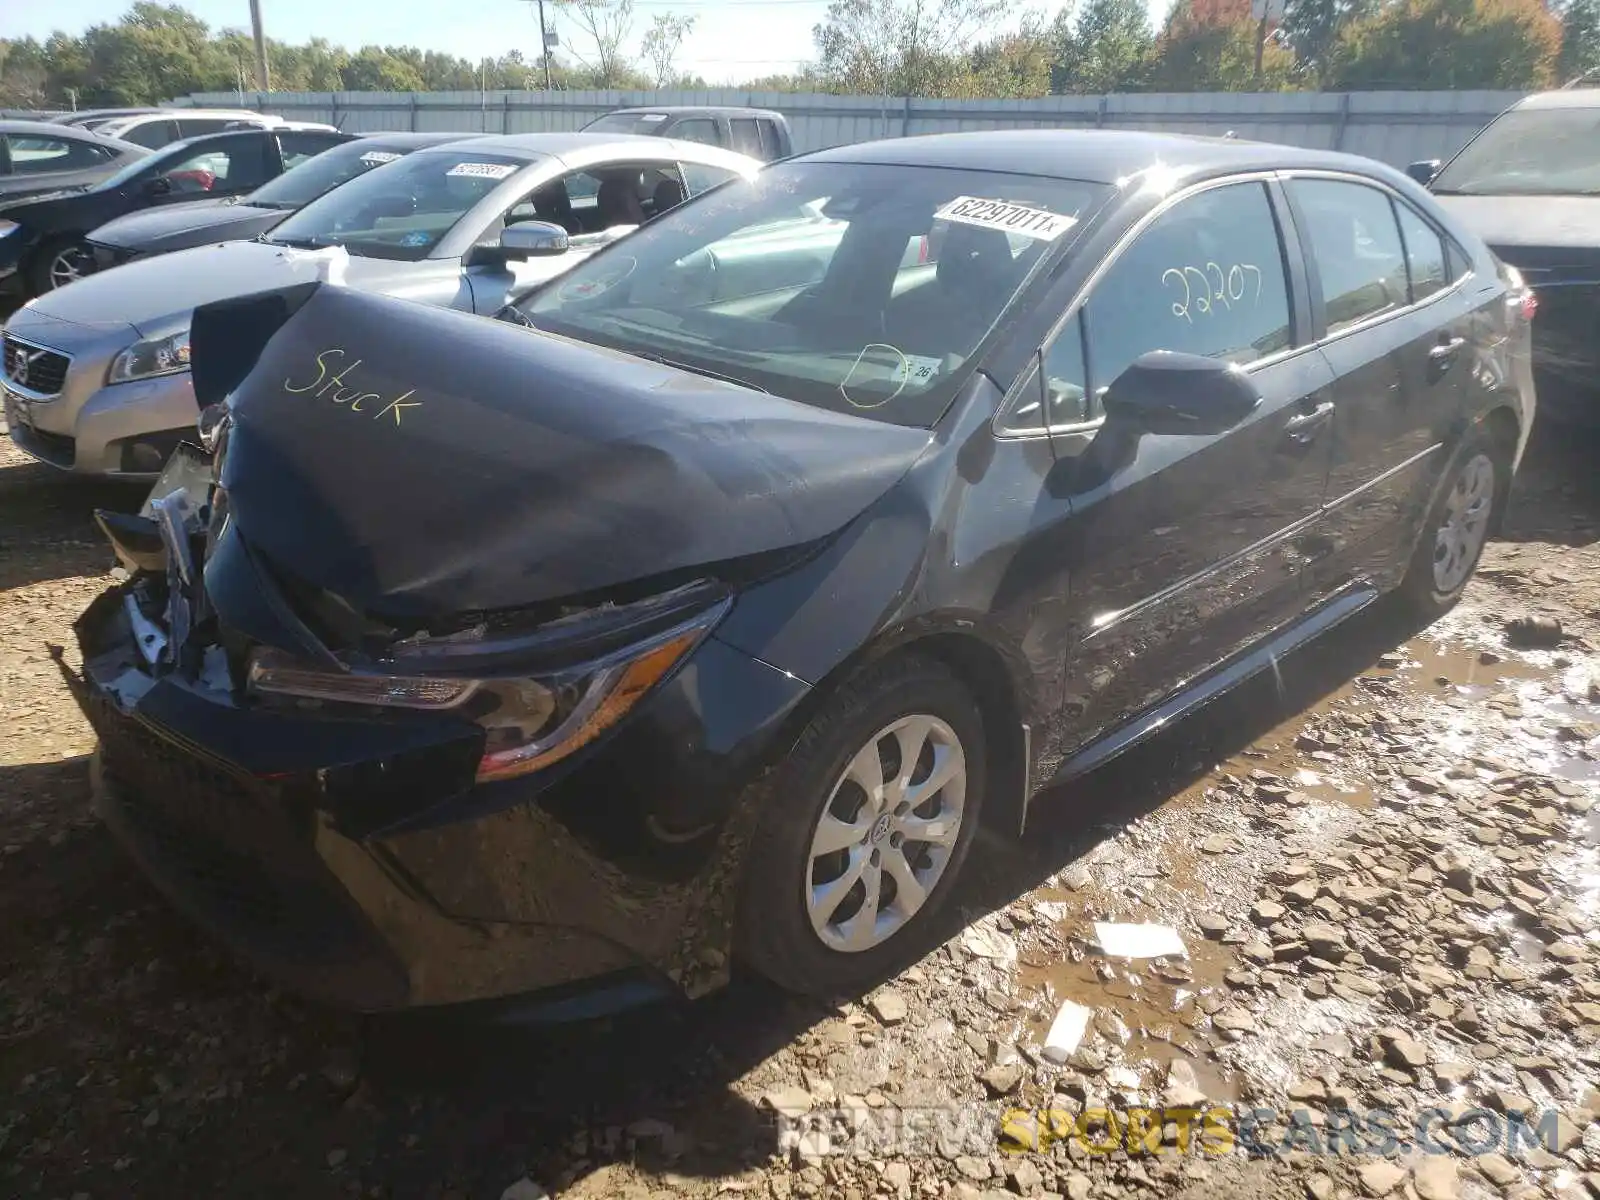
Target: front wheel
<point>1457,527</point>
<point>58,263</point>
<point>870,818</point>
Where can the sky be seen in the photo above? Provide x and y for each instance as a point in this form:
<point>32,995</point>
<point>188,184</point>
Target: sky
<point>733,40</point>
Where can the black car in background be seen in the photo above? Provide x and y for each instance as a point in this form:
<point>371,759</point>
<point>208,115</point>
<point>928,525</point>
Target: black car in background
<point>43,242</point>
<point>205,222</point>
<point>713,610</point>
<point>759,132</point>
<point>37,157</point>
<point>1529,185</point>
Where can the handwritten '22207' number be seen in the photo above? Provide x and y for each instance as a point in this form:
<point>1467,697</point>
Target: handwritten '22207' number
<point>1226,287</point>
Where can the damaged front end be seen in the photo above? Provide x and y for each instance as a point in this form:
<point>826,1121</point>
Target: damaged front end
<point>387,803</point>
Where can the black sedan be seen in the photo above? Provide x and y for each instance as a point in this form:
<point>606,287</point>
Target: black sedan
<point>206,222</point>
<point>42,241</point>
<point>714,611</point>
<point>1529,185</point>
<point>38,157</point>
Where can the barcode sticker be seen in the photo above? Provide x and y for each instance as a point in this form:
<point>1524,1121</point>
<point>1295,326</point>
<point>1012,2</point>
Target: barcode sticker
<point>480,170</point>
<point>378,157</point>
<point>1006,217</point>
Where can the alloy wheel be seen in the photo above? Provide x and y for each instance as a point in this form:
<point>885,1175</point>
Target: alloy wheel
<point>69,264</point>
<point>1464,524</point>
<point>885,836</point>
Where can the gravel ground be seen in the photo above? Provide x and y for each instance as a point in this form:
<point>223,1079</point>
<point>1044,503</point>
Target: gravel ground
<point>1381,864</point>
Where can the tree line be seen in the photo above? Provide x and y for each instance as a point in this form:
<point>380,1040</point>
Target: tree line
<point>934,48</point>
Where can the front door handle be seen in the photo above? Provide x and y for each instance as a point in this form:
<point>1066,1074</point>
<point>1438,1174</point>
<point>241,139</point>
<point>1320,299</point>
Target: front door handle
<point>1443,356</point>
<point>1304,427</point>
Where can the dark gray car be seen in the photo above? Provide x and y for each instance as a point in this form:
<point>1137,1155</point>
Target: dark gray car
<point>41,156</point>
<point>207,222</point>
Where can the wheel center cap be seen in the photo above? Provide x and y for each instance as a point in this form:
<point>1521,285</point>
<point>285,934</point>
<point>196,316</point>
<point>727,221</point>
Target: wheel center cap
<point>880,829</point>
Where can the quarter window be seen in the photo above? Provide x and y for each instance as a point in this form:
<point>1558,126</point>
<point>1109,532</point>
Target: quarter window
<point>696,129</point>
<point>702,178</point>
<point>1066,393</point>
<point>1357,249</point>
<point>1205,278</point>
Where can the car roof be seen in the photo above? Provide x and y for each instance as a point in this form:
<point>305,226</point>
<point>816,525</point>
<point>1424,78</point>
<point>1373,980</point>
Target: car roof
<point>1565,98</point>
<point>1092,155</point>
<point>695,109</point>
<point>403,138</point>
<point>567,144</point>
<point>53,129</point>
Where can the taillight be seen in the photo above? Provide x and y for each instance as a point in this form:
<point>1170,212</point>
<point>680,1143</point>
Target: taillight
<point>1530,303</point>
<point>1520,298</point>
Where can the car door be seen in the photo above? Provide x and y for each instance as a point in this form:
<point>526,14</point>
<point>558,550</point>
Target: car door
<point>1184,550</point>
<point>31,163</point>
<point>1394,331</point>
<point>210,169</point>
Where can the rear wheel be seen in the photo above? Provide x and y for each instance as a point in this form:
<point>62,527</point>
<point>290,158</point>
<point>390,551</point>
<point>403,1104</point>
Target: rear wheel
<point>1458,526</point>
<point>869,821</point>
<point>59,262</point>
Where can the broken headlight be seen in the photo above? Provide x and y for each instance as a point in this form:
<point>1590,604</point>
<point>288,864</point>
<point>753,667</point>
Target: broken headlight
<point>528,723</point>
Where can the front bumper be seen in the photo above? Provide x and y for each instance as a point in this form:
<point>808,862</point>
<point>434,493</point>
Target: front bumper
<point>615,880</point>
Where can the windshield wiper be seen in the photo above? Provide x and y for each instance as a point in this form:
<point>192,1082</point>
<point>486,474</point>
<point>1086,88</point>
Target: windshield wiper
<point>305,243</point>
<point>694,370</point>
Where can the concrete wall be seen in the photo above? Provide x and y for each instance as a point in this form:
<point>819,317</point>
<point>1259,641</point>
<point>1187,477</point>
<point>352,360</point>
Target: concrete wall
<point>1396,127</point>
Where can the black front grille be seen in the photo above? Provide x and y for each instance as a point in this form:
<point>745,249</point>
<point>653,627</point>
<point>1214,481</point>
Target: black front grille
<point>1564,331</point>
<point>36,368</point>
<point>226,841</point>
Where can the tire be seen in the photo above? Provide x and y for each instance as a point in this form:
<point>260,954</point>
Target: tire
<point>792,927</point>
<point>1470,502</point>
<point>44,274</point>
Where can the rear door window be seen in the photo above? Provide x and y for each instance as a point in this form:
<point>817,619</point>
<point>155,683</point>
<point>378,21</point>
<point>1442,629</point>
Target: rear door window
<point>32,154</point>
<point>237,165</point>
<point>196,126</point>
<point>697,129</point>
<point>153,134</point>
<point>701,178</point>
<point>746,137</point>
<point>297,147</point>
<point>1206,277</point>
<point>1356,247</point>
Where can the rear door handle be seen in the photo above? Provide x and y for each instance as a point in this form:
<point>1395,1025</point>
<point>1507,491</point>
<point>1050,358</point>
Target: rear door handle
<point>1304,427</point>
<point>1443,356</point>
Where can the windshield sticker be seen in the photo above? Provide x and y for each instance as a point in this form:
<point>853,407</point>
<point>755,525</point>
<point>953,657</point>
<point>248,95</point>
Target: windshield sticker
<point>1205,288</point>
<point>1006,217</point>
<point>478,170</point>
<point>598,284</point>
<point>920,370</point>
<point>652,118</point>
<point>375,158</point>
<point>877,364</point>
<point>417,237</point>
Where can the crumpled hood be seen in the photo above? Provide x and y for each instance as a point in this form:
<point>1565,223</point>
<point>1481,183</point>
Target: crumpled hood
<point>417,461</point>
<point>180,226</point>
<point>1533,221</point>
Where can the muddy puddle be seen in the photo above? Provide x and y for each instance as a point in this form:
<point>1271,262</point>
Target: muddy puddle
<point>1343,769</point>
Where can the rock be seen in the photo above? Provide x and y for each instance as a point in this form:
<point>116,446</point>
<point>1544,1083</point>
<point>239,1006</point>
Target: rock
<point>1234,1020</point>
<point>1380,1178</point>
<point>1024,1178</point>
<point>1002,1080</point>
<point>788,1101</point>
<point>898,1176</point>
<point>1078,1186</point>
<point>1217,843</point>
<point>1568,1133</point>
<point>888,1006</point>
<point>1406,1054</point>
<point>1266,912</point>
<point>342,1070</point>
<point>1326,941</point>
<point>525,1189</point>
<point>972,1168</point>
<point>1533,631</point>
<point>1319,1187</point>
<point>1212,925</point>
<point>1434,1178</point>
<point>1496,1169</point>
<point>1308,1089</point>
<point>1302,893</point>
<point>1507,1102</point>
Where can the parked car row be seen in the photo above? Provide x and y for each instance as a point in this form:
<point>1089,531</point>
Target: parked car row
<point>788,526</point>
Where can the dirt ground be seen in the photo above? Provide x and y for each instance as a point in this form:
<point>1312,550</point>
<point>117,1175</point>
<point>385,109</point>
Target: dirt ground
<point>1381,863</point>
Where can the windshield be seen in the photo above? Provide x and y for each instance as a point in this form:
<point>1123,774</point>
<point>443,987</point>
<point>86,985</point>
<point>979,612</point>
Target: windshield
<point>1529,151</point>
<point>321,173</point>
<point>859,288</point>
<point>626,123</point>
<point>401,209</point>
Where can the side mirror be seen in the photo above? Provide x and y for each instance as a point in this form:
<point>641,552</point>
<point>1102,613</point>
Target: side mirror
<point>532,239</point>
<point>159,186</point>
<point>1171,393</point>
<point>1424,170</point>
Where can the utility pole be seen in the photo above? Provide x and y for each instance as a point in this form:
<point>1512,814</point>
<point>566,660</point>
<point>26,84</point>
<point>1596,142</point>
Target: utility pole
<point>1261,48</point>
<point>263,78</point>
<point>544,46</point>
